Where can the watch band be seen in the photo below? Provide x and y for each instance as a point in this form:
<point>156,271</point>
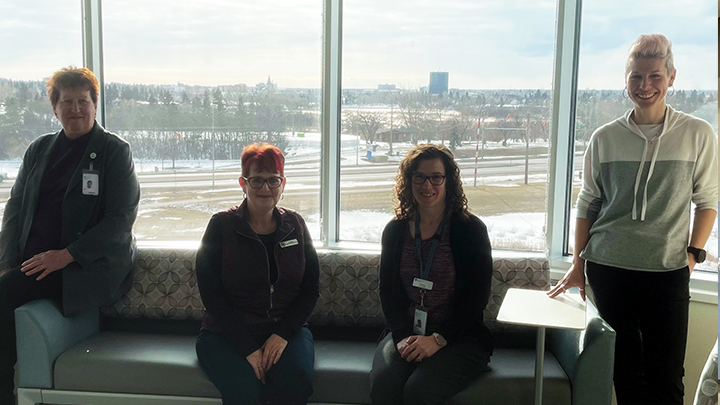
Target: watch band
<point>699,254</point>
<point>439,339</point>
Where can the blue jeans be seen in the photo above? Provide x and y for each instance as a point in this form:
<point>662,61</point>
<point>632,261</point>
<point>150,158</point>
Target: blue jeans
<point>287,382</point>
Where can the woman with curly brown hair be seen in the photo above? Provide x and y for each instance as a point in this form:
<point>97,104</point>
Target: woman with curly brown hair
<point>435,273</point>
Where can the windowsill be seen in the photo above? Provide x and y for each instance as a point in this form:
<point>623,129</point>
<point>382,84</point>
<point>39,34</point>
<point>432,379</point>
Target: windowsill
<point>703,284</point>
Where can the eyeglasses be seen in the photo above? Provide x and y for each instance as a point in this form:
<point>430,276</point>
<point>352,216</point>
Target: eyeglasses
<point>258,182</point>
<point>435,179</point>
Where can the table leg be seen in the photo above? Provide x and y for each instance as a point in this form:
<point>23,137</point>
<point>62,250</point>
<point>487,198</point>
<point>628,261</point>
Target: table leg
<point>539,364</point>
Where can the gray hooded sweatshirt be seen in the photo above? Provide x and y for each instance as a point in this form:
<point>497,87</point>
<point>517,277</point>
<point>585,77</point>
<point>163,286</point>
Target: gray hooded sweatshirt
<point>638,190</point>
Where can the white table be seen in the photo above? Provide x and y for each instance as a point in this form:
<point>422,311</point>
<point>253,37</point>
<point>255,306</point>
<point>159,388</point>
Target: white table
<point>535,308</point>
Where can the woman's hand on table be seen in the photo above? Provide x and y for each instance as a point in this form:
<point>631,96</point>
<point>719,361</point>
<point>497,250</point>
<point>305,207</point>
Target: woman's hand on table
<point>574,277</point>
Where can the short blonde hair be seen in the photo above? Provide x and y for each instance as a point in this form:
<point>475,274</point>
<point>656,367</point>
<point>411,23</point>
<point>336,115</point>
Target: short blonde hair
<point>651,46</point>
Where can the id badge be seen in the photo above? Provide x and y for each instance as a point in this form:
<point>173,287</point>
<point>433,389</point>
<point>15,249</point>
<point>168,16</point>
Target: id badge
<point>422,284</point>
<point>90,182</point>
<point>420,321</point>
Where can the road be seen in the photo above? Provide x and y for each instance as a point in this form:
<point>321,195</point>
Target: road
<point>305,179</point>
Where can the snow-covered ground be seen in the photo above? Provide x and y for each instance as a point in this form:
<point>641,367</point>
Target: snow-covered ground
<point>302,152</point>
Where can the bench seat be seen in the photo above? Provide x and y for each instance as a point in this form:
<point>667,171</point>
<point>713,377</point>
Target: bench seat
<point>137,363</point>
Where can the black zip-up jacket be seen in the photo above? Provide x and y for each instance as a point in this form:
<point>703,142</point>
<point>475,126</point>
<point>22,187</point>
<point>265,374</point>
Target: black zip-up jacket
<point>234,278</point>
<point>472,254</point>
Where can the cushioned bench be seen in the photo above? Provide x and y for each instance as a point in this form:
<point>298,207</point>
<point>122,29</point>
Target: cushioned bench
<point>142,349</point>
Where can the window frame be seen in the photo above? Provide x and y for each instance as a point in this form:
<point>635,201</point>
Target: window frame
<point>703,285</point>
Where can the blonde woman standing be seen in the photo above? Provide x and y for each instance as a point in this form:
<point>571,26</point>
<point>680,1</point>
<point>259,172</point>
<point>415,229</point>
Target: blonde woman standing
<point>641,173</point>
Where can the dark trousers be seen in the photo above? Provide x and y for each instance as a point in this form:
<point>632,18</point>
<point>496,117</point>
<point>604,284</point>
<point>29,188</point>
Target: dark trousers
<point>649,312</point>
<point>17,289</point>
<point>433,381</point>
<point>289,382</point>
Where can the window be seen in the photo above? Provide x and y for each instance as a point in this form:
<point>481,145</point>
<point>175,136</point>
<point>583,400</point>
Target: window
<point>190,84</point>
<point>475,76</point>
<point>608,29</point>
<point>33,45</point>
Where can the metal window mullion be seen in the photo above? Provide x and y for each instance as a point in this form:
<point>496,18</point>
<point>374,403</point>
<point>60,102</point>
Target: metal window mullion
<point>567,47</point>
<point>93,48</point>
<point>331,104</point>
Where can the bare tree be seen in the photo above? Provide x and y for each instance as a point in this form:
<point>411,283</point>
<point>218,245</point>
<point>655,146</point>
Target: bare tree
<point>366,122</point>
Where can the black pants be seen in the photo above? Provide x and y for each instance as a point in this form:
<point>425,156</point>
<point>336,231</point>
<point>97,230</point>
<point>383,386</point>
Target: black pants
<point>289,382</point>
<point>17,289</point>
<point>649,312</point>
<point>430,382</point>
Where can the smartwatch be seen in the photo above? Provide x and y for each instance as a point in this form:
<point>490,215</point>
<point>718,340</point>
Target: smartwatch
<point>699,254</point>
<point>439,339</point>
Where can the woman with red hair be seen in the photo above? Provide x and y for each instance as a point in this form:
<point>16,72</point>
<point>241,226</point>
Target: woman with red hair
<point>258,276</point>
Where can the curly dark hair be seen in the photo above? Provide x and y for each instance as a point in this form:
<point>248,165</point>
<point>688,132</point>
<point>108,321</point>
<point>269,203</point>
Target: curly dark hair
<point>405,204</point>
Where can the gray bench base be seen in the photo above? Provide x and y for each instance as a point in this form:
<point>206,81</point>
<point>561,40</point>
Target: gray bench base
<point>30,396</point>
<point>139,365</point>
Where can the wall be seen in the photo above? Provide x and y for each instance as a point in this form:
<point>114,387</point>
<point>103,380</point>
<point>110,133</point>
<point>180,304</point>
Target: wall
<point>702,333</point>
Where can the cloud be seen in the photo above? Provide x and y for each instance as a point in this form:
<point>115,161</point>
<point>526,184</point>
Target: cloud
<point>483,44</point>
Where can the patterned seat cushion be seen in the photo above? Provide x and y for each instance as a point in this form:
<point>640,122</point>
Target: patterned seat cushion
<point>165,287</point>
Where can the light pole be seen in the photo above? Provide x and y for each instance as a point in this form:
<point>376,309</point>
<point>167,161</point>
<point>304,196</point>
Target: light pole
<point>212,143</point>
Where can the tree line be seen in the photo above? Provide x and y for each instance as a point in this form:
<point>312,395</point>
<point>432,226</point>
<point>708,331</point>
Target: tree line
<point>194,122</point>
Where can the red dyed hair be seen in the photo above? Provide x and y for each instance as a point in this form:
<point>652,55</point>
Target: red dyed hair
<point>72,78</point>
<point>268,157</point>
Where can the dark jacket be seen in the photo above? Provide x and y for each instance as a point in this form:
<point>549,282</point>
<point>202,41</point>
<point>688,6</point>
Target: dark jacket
<point>96,230</point>
<point>234,278</point>
<point>473,274</point>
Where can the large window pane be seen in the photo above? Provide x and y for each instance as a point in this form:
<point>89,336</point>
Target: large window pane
<point>431,72</point>
<point>189,84</point>
<point>608,29</point>
<point>35,40</point>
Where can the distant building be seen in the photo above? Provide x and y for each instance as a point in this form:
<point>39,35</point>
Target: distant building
<point>233,88</point>
<point>386,87</point>
<point>438,83</point>
<point>269,87</point>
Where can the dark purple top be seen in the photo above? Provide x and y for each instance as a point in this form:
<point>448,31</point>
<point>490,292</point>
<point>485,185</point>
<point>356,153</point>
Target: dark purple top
<point>439,301</point>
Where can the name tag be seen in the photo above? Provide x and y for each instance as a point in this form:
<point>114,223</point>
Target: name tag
<point>424,284</point>
<point>288,243</point>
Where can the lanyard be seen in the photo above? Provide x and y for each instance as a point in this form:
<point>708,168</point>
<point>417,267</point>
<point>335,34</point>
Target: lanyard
<point>425,272</point>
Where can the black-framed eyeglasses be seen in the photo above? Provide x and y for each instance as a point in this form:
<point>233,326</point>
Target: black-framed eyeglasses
<point>258,182</point>
<point>435,179</point>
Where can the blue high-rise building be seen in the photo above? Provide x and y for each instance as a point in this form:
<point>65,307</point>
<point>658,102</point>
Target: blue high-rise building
<point>438,83</point>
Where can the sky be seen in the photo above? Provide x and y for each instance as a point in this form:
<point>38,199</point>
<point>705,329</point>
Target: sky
<point>482,44</point>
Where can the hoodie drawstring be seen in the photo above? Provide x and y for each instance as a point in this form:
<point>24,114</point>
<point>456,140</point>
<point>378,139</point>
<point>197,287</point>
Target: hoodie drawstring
<point>650,173</point>
<point>637,182</point>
